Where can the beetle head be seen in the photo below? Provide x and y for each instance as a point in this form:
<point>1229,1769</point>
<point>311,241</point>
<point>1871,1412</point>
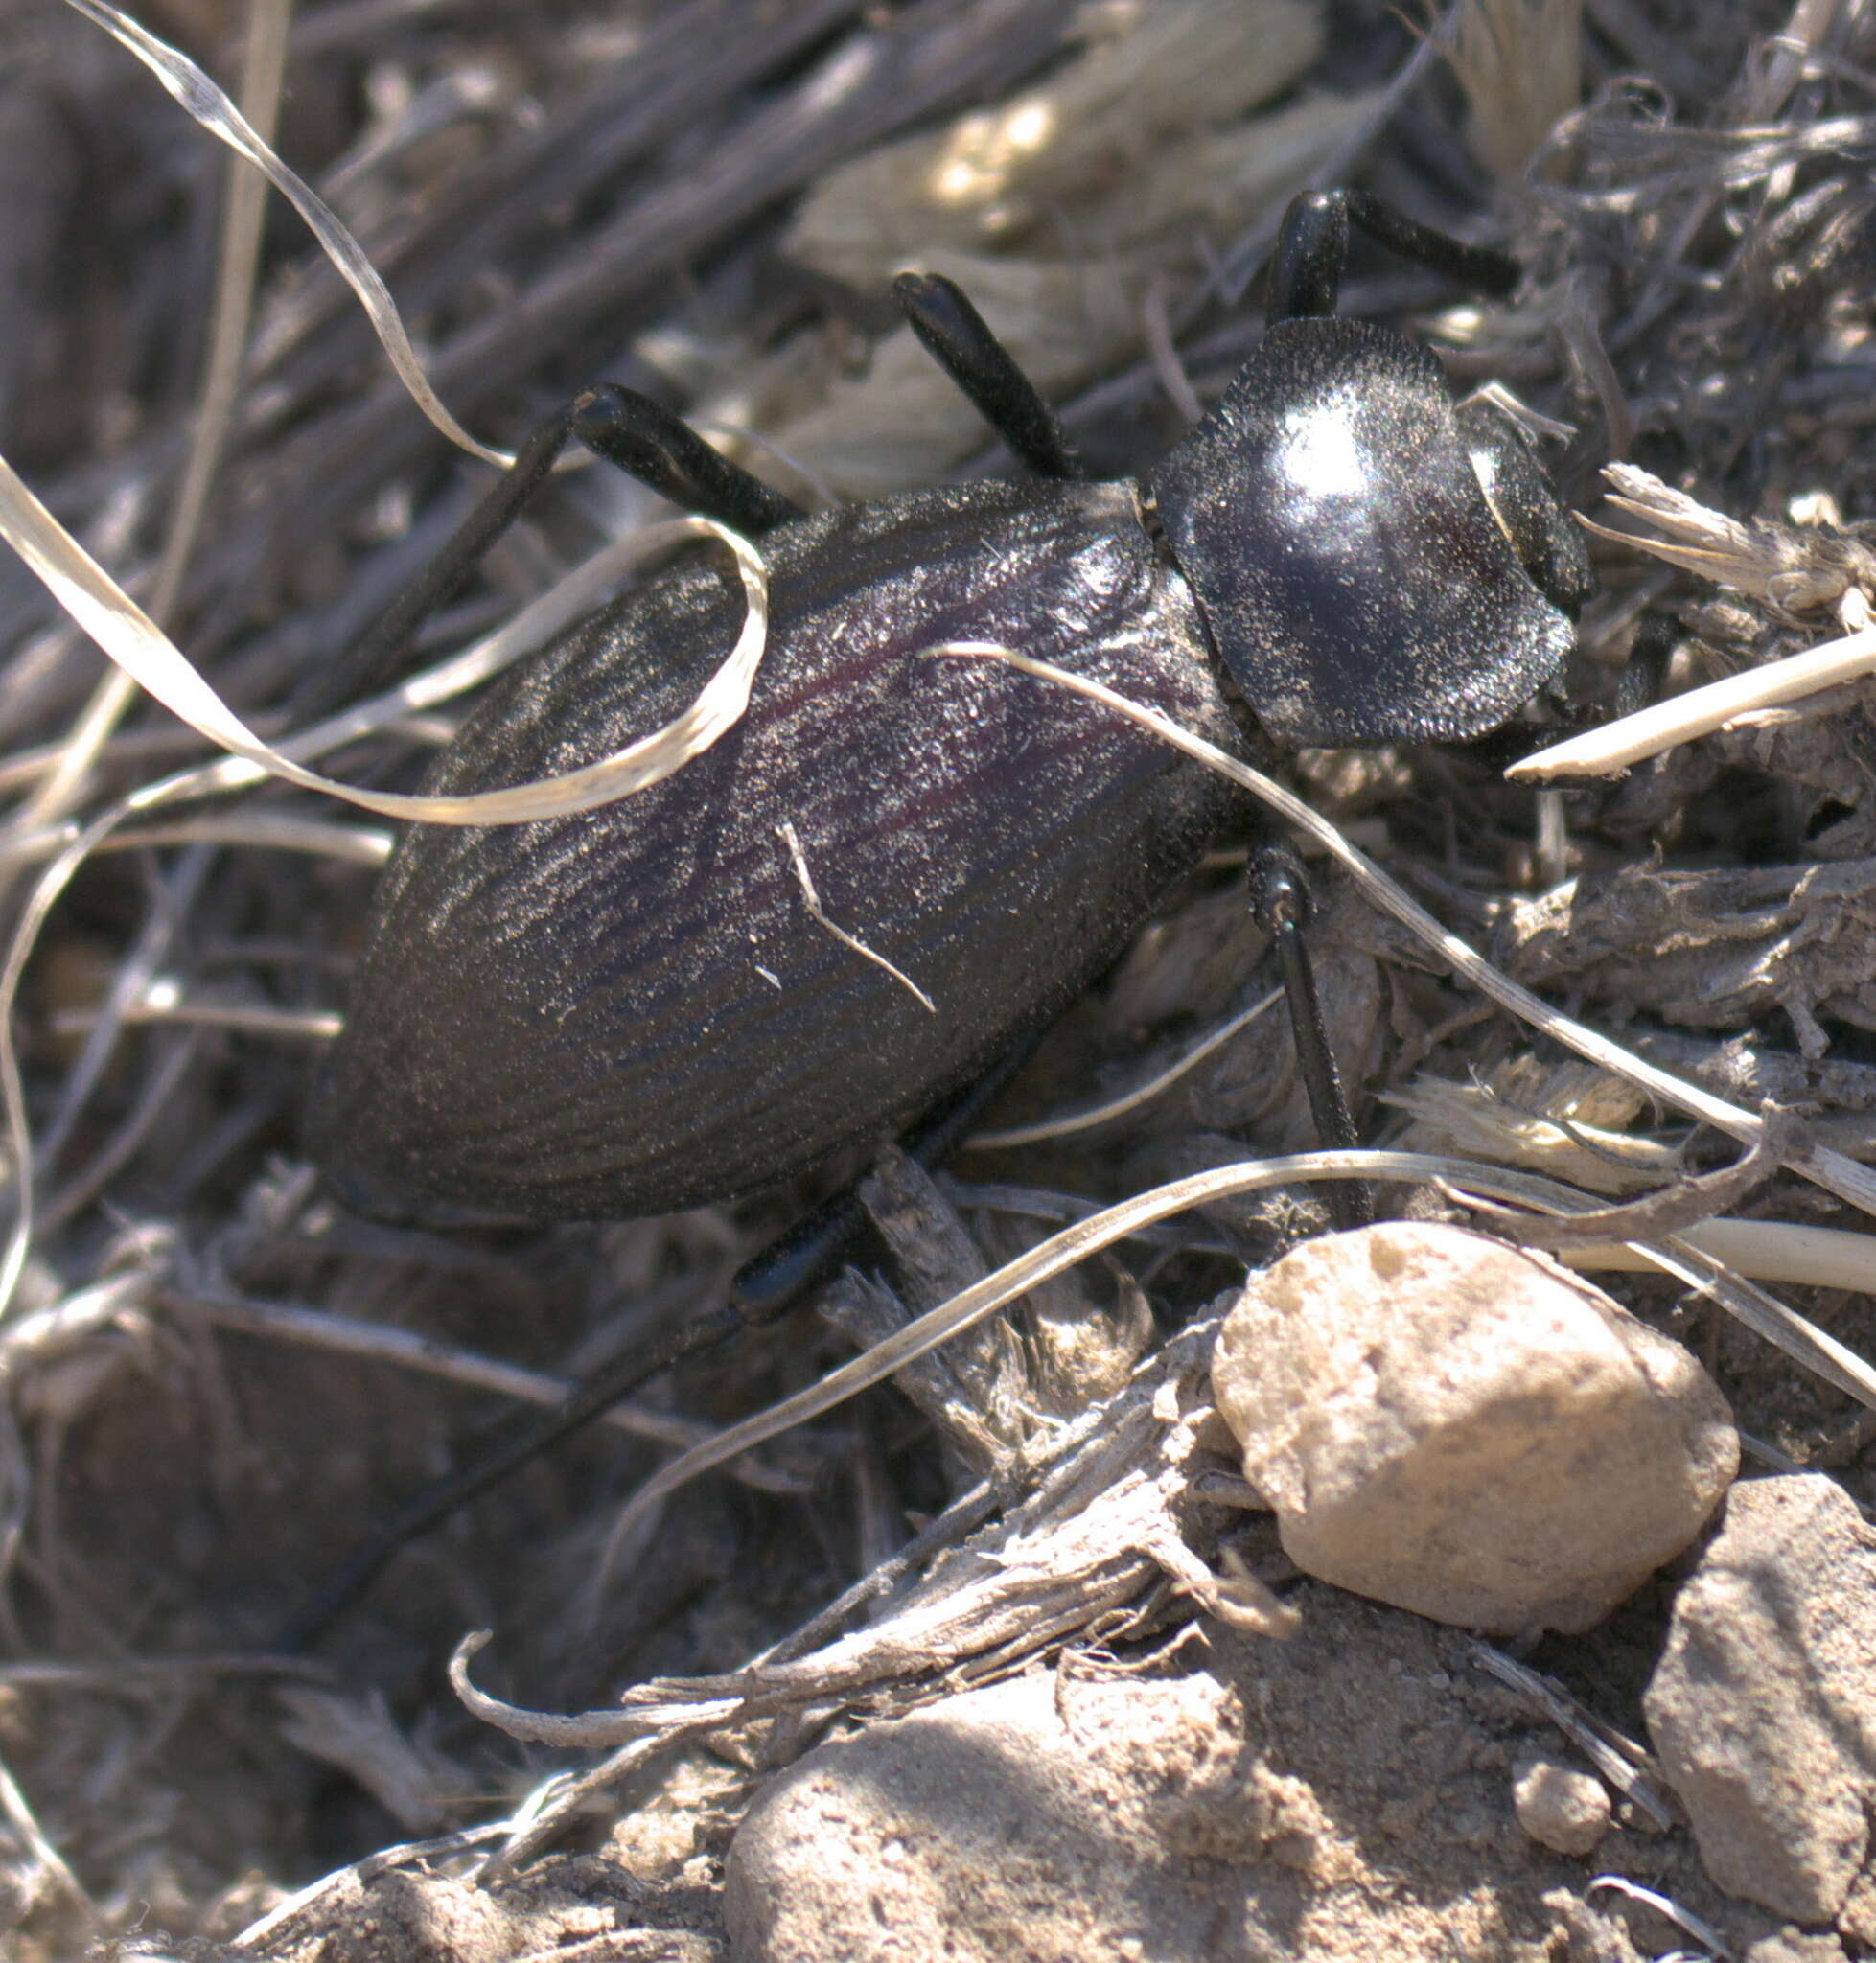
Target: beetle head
<point>1330,518</point>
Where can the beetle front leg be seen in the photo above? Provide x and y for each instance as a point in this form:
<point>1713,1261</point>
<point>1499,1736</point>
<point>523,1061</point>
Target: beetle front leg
<point>959,340</point>
<point>1312,251</point>
<point>1280,902</point>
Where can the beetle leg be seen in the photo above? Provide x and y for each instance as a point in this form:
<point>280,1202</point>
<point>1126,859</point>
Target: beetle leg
<point>1280,902</point>
<point>959,339</point>
<point>763,1289</point>
<point>519,1443</point>
<point>1312,248</point>
<point>662,451</point>
<point>618,423</point>
<point>1639,686</point>
<point>377,659</point>
<point>809,1251</point>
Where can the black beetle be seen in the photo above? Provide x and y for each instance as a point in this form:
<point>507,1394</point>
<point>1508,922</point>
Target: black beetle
<point>636,1011</point>
<point>646,1007</point>
<point>642,1010</point>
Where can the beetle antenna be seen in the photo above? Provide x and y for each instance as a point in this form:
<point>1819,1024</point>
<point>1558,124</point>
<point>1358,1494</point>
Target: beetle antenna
<point>1280,906</point>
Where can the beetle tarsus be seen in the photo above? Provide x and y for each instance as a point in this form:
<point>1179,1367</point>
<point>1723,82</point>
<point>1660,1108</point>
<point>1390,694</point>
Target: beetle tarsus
<point>959,340</point>
<point>1280,902</point>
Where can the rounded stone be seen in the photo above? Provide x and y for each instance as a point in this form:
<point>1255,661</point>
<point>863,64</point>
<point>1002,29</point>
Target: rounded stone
<point>1466,1429</point>
<point>1560,1806</point>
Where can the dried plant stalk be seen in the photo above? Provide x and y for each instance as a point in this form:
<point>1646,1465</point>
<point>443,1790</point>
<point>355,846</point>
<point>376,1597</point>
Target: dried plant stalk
<point>1519,63</point>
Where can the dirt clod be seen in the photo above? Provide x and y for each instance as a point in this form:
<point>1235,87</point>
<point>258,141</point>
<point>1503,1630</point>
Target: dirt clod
<point>1344,1795</point>
<point>1560,1806</point>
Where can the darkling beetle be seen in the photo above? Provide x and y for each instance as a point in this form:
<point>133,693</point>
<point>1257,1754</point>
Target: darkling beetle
<point>634,1011</point>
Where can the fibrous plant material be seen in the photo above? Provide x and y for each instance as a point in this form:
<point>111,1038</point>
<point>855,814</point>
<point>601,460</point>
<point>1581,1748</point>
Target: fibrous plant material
<point>1519,63</point>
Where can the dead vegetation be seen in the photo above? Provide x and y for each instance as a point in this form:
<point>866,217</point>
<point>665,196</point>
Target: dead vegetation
<point>212,1380</point>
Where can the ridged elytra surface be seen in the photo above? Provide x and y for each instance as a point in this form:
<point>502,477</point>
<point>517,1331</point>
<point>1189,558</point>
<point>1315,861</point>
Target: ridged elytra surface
<point>634,1011</point>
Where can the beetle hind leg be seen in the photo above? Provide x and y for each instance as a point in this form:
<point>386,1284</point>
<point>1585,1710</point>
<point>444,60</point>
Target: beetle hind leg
<point>810,1251</point>
<point>664,452</point>
<point>381,654</point>
<point>627,429</point>
<point>959,340</point>
<point>763,1289</point>
<point>517,1442</point>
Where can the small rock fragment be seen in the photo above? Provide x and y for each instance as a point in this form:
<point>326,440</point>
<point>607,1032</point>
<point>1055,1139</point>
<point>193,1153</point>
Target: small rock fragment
<point>1586,1933</point>
<point>1560,1806</point>
<point>1460,1428</point>
<point>1763,1708</point>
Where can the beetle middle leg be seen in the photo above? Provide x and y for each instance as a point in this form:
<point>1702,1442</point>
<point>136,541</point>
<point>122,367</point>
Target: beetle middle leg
<point>1280,904</point>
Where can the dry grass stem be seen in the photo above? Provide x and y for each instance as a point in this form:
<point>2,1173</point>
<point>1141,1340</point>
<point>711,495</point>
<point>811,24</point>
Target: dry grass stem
<point>1618,745</point>
<point>1065,1124</point>
<point>1620,1760</point>
<point>811,899</point>
<point>1520,63</point>
<point>1677,1255</point>
<point>217,115</point>
<point>1829,1168</point>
